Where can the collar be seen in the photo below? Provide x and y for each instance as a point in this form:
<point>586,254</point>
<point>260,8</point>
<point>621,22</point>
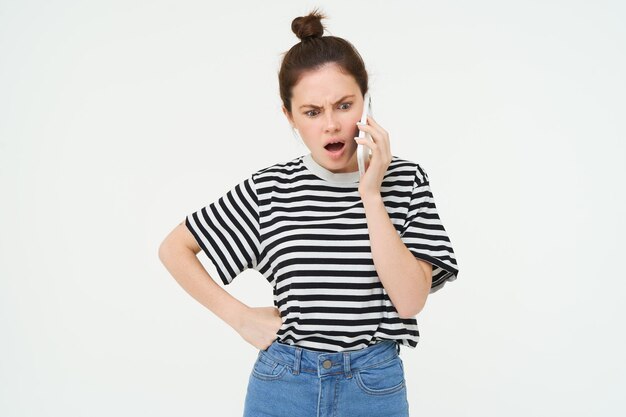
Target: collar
<point>340,178</point>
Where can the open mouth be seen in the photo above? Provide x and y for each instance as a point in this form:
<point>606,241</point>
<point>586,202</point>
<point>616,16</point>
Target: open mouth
<point>334,147</point>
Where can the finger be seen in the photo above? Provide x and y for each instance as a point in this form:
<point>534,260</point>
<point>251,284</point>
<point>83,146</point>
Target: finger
<point>366,142</point>
<point>383,140</point>
<point>383,133</point>
<point>376,145</point>
<point>375,131</point>
<point>371,121</point>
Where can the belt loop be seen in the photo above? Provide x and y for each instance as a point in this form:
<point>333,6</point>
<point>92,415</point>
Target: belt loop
<point>346,364</point>
<point>296,365</point>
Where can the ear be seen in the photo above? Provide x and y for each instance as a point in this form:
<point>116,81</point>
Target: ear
<point>288,116</point>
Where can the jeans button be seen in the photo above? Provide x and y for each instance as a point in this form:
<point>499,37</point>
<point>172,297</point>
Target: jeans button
<point>327,364</point>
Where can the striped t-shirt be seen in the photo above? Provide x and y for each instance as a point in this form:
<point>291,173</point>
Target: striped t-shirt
<point>304,229</point>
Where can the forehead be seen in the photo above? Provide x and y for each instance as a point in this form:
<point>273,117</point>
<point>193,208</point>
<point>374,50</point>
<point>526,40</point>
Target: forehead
<point>325,83</point>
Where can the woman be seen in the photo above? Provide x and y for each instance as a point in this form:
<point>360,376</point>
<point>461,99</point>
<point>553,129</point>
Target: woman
<point>351,259</point>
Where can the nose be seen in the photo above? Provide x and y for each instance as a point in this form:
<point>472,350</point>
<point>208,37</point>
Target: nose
<point>332,122</point>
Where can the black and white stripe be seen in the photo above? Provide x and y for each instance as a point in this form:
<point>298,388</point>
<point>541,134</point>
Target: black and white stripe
<point>304,229</point>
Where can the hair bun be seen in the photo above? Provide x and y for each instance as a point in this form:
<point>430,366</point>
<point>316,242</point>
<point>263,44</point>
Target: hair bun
<point>309,26</point>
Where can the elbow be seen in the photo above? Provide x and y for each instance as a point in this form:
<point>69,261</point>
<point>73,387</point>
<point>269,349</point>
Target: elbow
<point>415,302</point>
<point>161,252</point>
<point>411,310</point>
<point>163,249</point>
<point>407,314</point>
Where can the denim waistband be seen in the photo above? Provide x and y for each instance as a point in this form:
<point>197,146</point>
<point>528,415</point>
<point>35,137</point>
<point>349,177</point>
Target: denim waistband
<point>300,359</point>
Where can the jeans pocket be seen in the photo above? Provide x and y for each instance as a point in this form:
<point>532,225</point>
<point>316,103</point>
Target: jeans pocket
<point>268,369</point>
<point>381,379</point>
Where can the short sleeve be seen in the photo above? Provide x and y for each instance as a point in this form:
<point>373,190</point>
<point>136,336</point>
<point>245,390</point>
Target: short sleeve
<point>424,234</point>
<point>227,230</point>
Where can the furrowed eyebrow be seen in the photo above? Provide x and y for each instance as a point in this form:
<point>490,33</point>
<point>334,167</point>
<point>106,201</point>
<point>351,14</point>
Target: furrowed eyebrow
<point>317,107</point>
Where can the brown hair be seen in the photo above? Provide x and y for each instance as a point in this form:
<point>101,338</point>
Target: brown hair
<point>314,51</point>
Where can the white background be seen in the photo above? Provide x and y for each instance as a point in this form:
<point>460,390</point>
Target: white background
<point>118,118</point>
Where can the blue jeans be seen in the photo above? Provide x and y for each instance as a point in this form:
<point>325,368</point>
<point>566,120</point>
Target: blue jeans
<point>290,381</point>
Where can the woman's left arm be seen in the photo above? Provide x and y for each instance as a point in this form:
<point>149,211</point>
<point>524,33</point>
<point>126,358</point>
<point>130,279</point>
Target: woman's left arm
<point>406,279</point>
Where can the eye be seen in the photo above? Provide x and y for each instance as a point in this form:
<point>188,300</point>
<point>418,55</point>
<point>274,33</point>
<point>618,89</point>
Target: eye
<point>310,115</point>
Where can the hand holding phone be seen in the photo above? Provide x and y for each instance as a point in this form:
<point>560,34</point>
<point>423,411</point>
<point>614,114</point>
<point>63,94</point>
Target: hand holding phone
<point>364,153</point>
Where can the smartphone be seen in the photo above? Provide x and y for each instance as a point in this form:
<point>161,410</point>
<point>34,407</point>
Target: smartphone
<point>364,153</point>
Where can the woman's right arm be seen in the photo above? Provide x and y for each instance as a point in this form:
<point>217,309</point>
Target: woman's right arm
<point>257,325</point>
